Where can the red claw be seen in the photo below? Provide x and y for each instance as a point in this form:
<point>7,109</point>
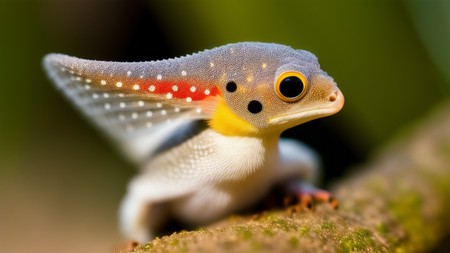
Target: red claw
<point>306,196</point>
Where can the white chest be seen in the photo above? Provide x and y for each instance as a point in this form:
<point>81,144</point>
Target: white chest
<point>239,172</point>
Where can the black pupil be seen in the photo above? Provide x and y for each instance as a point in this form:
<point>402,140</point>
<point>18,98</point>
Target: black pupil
<point>254,106</point>
<point>231,86</point>
<point>291,87</point>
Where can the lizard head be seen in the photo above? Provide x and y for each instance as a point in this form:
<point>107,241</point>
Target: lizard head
<point>270,88</point>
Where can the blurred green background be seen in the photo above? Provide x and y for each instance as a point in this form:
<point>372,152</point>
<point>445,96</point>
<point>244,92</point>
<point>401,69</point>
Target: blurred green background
<point>61,181</point>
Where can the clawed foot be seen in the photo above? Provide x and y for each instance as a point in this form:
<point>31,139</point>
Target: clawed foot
<point>307,197</point>
<point>127,246</point>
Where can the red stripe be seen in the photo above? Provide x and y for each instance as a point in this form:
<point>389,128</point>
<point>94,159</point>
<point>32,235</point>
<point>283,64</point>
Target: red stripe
<point>183,89</point>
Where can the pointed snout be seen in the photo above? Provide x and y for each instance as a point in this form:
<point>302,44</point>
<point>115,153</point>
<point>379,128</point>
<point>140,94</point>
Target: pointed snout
<point>327,92</point>
<point>337,98</point>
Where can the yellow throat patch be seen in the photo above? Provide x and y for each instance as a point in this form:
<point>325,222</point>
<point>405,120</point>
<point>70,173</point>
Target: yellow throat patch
<point>227,122</point>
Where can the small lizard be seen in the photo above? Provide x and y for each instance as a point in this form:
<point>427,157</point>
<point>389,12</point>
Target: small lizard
<point>204,129</point>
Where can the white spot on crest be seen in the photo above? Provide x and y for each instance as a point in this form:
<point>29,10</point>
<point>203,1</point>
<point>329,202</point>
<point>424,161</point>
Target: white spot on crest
<point>107,106</point>
<point>122,105</point>
<point>134,115</point>
<point>119,84</point>
<point>169,95</point>
<point>129,73</point>
<point>177,109</point>
<point>120,95</point>
<point>136,87</point>
<point>87,87</point>
<point>95,96</point>
<point>211,64</point>
<point>198,110</point>
<point>163,112</point>
<point>103,82</point>
<point>175,88</point>
<point>183,73</point>
<point>193,89</point>
<point>78,78</point>
<point>152,88</point>
<point>159,105</point>
<point>149,114</point>
<point>207,92</point>
<point>88,80</point>
<point>105,95</point>
<point>159,77</point>
<point>141,103</point>
<point>188,99</point>
<point>141,76</point>
<point>264,65</point>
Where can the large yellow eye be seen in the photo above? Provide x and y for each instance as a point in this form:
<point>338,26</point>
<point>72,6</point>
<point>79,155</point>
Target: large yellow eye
<point>291,86</point>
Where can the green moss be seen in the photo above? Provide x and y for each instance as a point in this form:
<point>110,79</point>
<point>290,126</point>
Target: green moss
<point>294,242</point>
<point>327,226</point>
<point>382,228</point>
<point>257,246</point>
<point>400,250</point>
<point>359,240</point>
<point>281,223</point>
<point>243,232</point>
<point>268,232</point>
<point>304,230</point>
<point>407,210</point>
<point>394,242</point>
<point>147,246</point>
<point>201,229</point>
<point>174,242</point>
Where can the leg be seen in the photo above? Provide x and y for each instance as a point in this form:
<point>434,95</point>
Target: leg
<point>305,195</point>
<point>140,218</point>
<point>297,161</point>
<point>299,170</point>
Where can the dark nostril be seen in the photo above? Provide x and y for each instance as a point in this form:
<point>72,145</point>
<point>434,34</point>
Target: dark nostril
<point>333,96</point>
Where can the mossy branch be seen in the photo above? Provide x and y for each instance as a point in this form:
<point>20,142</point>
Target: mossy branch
<point>398,203</point>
